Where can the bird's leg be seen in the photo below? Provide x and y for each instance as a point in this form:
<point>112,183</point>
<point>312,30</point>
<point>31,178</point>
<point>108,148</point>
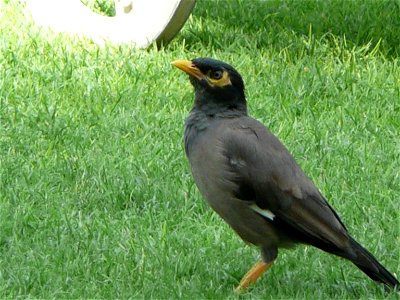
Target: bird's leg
<point>251,276</point>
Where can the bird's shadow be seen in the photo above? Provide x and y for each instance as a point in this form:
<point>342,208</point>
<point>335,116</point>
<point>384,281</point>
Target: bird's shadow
<point>278,24</point>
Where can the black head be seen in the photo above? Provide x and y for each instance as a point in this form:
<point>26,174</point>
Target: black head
<point>216,84</point>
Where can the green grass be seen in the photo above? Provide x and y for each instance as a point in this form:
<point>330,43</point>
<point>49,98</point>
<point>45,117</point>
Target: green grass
<point>96,197</point>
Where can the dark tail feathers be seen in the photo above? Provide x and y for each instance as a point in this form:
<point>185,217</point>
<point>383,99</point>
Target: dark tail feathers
<point>370,266</point>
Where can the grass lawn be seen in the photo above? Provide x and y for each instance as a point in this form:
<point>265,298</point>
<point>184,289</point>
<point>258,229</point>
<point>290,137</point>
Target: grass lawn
<point>96,197</point>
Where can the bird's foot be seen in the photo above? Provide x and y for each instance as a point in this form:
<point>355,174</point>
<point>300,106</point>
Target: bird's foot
<point>251,276</point>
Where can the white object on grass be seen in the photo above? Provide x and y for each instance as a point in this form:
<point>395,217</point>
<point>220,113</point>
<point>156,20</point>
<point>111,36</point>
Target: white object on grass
<point>140,22</point>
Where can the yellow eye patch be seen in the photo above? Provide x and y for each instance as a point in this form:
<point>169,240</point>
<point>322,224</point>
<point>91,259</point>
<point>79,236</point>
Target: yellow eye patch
<point>221,82</point>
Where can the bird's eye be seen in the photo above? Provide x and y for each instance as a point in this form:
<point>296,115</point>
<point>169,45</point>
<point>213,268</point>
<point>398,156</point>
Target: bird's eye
<point>216,74</point>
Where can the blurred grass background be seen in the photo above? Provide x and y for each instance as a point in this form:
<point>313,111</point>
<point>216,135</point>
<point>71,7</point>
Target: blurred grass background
<point>96,198</point>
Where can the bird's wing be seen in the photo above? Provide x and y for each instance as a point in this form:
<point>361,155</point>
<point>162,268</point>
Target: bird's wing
<point>267,174</point>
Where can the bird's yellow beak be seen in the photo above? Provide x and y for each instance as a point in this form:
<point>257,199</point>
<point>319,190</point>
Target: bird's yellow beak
<point>188,67</point>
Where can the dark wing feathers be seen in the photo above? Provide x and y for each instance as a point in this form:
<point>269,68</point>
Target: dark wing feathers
<point>268,175</point>
<point>269,172</point>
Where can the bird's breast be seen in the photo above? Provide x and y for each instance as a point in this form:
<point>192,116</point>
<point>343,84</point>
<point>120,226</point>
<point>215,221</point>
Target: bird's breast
<point>210,167</point>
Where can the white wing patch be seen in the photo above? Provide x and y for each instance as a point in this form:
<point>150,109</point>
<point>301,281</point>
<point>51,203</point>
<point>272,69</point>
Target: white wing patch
<point>264,212</point>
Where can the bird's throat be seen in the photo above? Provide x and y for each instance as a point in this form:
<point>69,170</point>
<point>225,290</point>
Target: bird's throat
<point>212,106</point>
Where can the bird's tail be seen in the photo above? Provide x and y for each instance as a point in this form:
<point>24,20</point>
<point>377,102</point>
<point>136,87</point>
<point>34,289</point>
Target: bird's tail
<point>370,266</point>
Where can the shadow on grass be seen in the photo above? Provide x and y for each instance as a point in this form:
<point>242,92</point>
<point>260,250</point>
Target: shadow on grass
<point>278,24</point>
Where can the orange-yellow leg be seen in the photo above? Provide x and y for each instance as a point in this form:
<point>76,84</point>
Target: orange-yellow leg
<point>251,276</point>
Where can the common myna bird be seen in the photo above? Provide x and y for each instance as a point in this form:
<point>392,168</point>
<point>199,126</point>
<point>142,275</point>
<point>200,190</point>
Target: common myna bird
<point>251,180</point>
